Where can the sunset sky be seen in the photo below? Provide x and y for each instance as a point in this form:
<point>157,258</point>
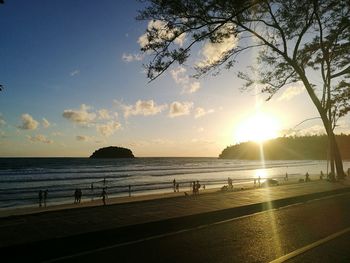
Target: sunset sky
<point>74,82</point>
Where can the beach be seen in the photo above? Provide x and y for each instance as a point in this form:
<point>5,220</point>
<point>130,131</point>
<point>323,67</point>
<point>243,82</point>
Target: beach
<point>97,201</point>
<point>71,219</point>
<point>22,179</point>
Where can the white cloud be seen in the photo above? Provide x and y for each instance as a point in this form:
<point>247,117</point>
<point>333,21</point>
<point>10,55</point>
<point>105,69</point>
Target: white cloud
<point>104,114</point>
<point>180,108</point>
<point>74,72</point>
<point>81,116</point>
<point>143,107</point>
<point>307,131</point>
<point>39,138</point>
<point>109,128</point>
<point>28,123</point>
<point>200,112</point>
<point>192,87</point>
<point>164,33</point>
<point>213,52</point>
<point>343,126</point>
<point>45,123</point>
<point>292,91</point>
<point>181,78</point>
<point>132,57</point>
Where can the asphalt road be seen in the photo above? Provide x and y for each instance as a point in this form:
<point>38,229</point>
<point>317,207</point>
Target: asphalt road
<point>260,237</point>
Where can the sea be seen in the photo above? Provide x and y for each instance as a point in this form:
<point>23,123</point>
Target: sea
<point>21,179</point>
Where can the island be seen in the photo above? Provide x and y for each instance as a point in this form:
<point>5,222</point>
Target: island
<point>112,152</point>
<point>313,147</point>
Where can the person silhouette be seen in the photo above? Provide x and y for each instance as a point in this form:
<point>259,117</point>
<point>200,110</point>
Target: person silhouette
<point>76,195</point>
<point>40,195</point>
<point>307,177</point>
<point>104,196</point>
<point>46,192</point>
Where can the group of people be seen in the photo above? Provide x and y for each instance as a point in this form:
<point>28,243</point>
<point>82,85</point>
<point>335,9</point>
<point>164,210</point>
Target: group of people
<point>43,194</point>
<point>195,187</point>
<point>77,195</point>
<point>259,181</point>
<point>43,197</point>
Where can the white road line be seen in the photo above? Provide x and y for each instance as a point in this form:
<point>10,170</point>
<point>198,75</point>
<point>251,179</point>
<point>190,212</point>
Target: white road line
<point>310,246</point>
<point>171,234</point>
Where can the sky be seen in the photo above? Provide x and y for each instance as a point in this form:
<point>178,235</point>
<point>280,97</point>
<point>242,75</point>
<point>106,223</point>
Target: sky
<point>75,82</point>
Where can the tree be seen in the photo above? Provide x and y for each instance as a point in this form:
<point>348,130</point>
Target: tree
<point>296,41</point>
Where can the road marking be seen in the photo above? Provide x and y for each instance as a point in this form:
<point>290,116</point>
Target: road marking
<point>310,246</point>
<point>176,233</point>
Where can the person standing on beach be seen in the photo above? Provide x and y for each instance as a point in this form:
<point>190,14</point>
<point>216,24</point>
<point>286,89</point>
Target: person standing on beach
<point>40,198</point>
<point>198,186</point>
<point>307,177</point>
<point>80,193</point>
<point>46,192</point>
<point>174,185</point>
<point>104,196</point>
<point>229,182</point>
<point>259,181</point>
<point>194,188</point>
<point>76,194</point>
<point>92,191</point>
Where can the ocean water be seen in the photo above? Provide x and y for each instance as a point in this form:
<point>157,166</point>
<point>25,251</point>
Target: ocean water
<point>22,178</point>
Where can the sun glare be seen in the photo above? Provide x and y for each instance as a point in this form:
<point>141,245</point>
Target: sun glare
<point>257,128</point>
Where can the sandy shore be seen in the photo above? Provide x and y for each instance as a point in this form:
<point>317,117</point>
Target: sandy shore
<point>126,199</point>
<point>96,202</point>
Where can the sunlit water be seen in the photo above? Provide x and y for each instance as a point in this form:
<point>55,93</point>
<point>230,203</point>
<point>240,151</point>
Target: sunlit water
<point>22,178</point>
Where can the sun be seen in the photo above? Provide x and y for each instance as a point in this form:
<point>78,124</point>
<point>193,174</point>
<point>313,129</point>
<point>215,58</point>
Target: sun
<point>258,128</point>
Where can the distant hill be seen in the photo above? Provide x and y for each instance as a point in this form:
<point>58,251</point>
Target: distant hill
<point>288,148</point>
<point>113,152</point>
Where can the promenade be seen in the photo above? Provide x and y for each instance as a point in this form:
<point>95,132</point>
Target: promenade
<point>91,217</point>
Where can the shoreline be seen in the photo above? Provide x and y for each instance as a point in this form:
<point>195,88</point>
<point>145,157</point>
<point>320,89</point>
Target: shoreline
<point>115,200</point>
<point>89,221</point>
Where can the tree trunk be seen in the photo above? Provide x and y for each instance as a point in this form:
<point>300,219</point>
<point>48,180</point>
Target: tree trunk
<point>337,158</point>
<point>334,153</point>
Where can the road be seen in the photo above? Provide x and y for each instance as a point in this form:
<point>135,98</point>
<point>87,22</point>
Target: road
<point>260,237</point>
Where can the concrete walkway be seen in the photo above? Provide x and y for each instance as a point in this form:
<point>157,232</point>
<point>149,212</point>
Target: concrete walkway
<point>21,229</point>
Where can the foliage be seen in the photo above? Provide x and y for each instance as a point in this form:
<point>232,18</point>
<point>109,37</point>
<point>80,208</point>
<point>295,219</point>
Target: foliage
<point>288,148</point>
<point>296,40</point>
<point>292,37</point>
<point>112,152</point>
